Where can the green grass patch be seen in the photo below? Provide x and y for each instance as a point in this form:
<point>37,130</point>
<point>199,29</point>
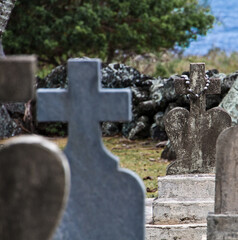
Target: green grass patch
<point>140,156</point>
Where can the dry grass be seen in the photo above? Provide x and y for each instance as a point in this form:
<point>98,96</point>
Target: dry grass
<point>140,156</point>
<point>167,64</point>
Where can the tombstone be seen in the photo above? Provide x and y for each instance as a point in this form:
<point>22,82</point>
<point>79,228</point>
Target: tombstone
<point>193,133</point>
<point>186,194</point>
<point>223,223</point>
<point>34,186</point>
<point>17,77</point>
<point>34,174</point>
<point>105,202</point>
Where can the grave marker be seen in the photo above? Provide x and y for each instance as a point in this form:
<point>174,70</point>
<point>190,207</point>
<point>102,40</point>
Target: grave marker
<point>193,134</point>
<point>223,223</point>
<point>17,78</point>
<point>106,202</point>
<point>34,174</point>
<point>34,185</point>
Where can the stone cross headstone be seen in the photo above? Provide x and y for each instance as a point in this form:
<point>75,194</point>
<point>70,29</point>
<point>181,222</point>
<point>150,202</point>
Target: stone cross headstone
<point>34,174</point>
<point>193,133</point>
<point>223,223</point>
<point>106,202</point>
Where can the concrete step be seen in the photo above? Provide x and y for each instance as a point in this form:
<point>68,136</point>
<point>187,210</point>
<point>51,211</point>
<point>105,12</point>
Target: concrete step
<point>179,212</point>
<point>178,232</point>
<point>187,187</point>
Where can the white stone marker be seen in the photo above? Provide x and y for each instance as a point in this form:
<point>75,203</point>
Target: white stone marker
<point>106,202</point>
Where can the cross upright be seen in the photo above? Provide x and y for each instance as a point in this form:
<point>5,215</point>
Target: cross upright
<point>17,77</point>
<point>105,202</point>
<point>193,133</point>
<point>196,86</point>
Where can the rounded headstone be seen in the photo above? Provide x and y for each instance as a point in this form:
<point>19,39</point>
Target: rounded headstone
<point>34,186</point>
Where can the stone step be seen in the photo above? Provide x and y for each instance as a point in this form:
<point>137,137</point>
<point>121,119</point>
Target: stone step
<point>179,212</point>
<point>178,232</point>
<point>187,187</point>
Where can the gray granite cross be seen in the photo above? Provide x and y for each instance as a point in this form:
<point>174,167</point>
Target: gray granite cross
<point>223,223</point>
<point>106,202</point>
<point>193,133</point>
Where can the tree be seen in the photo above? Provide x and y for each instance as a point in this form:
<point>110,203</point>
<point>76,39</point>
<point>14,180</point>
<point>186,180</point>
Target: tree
<point>6,7</point>
<point>58,29</point>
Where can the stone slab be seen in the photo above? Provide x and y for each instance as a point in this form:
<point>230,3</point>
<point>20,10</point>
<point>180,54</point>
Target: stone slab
<point>179,212</point>
<point>34,188</point>
<point>17,75</point>
<point>148,210</point>
<point>176,232</point>
<point>187,187</point>
<point>222,226</point>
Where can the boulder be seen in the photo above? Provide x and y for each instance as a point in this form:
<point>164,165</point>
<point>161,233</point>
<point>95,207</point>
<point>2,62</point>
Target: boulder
<point>8,127</point>
<point>151,98</point>
<point>230,102</point>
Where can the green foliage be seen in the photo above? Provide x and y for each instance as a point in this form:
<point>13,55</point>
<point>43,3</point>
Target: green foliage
<point>56,30</point>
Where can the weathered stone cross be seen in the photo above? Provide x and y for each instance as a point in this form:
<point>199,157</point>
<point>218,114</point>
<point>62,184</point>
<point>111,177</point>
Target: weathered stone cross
<point>223,223</point>
<point>106,202</point>
<point>34,174</point>
<point>193,134</point>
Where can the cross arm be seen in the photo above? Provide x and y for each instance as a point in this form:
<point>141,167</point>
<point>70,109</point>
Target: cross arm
<point>115,105</point>
<point>52,105</point>
<point>214,87</point>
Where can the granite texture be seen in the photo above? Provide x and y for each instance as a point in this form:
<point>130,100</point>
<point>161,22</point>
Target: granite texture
<point>106,202</point>
<point>193,133</point>
<point>223,223</point>
<point>17,77</point>
<point>222,227</point>
<point>34,186</point>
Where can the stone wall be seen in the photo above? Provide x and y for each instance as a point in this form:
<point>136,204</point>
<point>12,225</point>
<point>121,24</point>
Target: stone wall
<point>152,99</point>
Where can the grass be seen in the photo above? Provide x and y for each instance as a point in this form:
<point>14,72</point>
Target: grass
<point>166,64</point>
<point>140,156</point>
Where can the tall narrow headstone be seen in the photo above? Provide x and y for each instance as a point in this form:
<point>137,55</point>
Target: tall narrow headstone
<point>194,133</point>
<point>223,223</point>
<point>106,202</point>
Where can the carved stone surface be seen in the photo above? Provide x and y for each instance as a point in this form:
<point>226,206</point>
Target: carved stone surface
<point>223,224</point>
<point>226,200</point>
<point>193,134</point>
<point>34,185</point>
<point>17,75</point>
<point>106,202</point>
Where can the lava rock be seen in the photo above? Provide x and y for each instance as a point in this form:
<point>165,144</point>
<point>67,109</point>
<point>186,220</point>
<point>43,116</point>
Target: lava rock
<point>8,126</point>
<point>110,128</point>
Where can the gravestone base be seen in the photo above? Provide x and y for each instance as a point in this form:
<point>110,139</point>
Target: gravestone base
<point>181,209</point>
<point>222,226</point>
<point>178,232</point>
